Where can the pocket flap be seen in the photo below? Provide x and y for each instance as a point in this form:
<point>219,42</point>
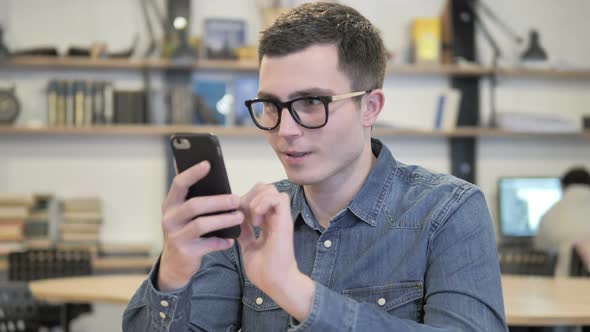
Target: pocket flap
<point>256,299</point>
<point>389,296</point>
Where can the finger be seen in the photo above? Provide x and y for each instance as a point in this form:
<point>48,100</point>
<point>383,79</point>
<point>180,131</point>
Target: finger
<point>211,244</point>
<point>277,204</point>
<point>247,198</point>
<point>203,225</point>
<point>247,236</point>
<point>183,181</point>
<point>198,206</point>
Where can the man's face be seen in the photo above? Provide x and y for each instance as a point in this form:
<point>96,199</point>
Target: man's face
<point>314,156</point>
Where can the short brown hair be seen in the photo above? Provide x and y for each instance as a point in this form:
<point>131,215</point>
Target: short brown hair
<point>361,53</point>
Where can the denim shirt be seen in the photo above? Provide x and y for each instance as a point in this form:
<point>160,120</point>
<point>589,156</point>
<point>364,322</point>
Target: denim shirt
<point>413,251</point>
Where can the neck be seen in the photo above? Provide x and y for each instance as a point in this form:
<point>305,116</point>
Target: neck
<point>328,198</point>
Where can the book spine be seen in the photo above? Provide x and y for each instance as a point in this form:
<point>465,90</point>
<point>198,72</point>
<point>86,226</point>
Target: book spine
<point>79,118</point>
<point>88,103</point>
<point>52,91</point>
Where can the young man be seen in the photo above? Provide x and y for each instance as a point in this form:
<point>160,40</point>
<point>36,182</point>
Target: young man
<point>567,222</point>
<point>353,240</point>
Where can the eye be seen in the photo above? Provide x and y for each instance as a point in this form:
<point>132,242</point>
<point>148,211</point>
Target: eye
<point>312,101</point>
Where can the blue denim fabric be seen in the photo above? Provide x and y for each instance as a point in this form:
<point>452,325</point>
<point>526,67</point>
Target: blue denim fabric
<point>414,251</point>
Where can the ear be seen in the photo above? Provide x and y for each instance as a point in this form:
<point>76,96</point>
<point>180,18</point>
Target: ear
<point>374,102</point>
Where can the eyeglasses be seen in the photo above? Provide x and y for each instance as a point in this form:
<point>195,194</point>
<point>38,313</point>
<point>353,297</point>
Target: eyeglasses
<point>310,112</point>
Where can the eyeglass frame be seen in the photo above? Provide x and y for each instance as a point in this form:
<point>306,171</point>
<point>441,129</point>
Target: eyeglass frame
<point>326,100</point>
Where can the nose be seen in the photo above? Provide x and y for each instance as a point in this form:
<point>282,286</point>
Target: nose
<point>288,125</point>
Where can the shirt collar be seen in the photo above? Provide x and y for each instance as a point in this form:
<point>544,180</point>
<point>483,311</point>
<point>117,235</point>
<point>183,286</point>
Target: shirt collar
<point>368,202</point>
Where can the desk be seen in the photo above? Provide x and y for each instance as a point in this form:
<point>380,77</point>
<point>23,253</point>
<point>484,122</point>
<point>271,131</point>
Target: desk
<point>528,300</point>
<point>117,289</point>
<point>546,301</point>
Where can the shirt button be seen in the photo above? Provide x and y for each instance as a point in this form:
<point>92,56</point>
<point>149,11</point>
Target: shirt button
<point>327,243</point>
<point>259,300</point>
<point>162,315</point>
<point>164,303</point>
<point>381,302</point>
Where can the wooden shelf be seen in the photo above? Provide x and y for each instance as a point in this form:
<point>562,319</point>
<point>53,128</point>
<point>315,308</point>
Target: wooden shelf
<point>252,66</point>
<point>164,130</point>
<point>132,130</point>
<point>126,64</point>
<point>437,70</point>
<point>545,73</point>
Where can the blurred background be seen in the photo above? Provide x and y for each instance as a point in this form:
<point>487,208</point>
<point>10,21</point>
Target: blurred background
<point>495,92</point>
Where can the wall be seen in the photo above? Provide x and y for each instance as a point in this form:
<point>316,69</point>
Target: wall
<point>129,172</point>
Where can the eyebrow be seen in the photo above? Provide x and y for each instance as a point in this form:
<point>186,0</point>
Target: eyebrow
<point>300,93</point>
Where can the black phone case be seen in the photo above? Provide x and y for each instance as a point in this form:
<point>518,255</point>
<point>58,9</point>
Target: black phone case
<point>205,147</point>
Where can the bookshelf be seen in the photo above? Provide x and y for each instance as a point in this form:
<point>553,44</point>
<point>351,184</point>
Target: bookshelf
<point>165,130</point>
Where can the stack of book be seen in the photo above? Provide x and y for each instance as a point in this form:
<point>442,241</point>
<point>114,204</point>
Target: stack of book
<point>125,250</point>
<point>88,103</point>
<point>81,221</point>
<point>37,226</point>
<point>14,211</point>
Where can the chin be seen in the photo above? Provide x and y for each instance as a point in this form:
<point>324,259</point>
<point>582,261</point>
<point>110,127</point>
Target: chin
<point>299,178</point>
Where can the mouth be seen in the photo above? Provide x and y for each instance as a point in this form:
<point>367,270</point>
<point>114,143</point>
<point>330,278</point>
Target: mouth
<point>296,157</point>
<point>296,154</point>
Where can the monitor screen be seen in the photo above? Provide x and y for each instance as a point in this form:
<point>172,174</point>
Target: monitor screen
<point>523,201</point>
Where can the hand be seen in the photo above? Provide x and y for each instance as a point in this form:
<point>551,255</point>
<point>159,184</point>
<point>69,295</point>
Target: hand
<point>269,260</point>
<point>184,245</point>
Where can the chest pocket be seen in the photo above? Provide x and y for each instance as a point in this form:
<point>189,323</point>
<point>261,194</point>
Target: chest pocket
<point>401,299</point>
<point>260,312</point>
<point>256,299</point>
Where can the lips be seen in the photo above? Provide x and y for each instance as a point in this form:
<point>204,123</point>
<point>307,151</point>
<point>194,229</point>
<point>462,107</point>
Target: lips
<point>296,154</point>
<point>296,157</point>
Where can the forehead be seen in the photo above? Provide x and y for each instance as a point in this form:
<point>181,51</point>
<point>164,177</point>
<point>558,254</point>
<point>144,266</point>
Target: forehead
<point>313,67</point>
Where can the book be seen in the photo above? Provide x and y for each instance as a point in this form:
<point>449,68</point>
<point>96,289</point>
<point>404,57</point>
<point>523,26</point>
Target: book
<point>68,227</point>
<point>447,112</point>
<point>223,36</point>
<point>181,105</point>
<point>11,232</point>
<point>15,199</point>
<point>82,217</point>
<point>14,212</point>
<point>80,237</point>
<point>426,40</point>
<point>212,104</point>
<point>244,88</point>
<point>82,204</point>
<point>52,106</point>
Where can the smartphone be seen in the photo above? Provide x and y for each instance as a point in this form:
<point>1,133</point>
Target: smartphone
<point>191,149</point>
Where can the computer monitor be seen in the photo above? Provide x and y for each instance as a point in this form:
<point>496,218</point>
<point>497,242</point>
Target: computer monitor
<point>522,202</point>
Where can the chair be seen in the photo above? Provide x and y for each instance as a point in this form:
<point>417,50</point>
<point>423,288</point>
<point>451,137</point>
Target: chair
<point>527,261</point>
<point>580,264</point>
<point>18,309</point>
<point>51,263</point>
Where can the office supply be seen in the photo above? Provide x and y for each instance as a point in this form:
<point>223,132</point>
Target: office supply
<point>522,202</point>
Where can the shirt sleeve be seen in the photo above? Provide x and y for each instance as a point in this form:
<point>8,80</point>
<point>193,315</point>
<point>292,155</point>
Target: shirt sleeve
<point>211,301</point>
<point>462,284</point>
